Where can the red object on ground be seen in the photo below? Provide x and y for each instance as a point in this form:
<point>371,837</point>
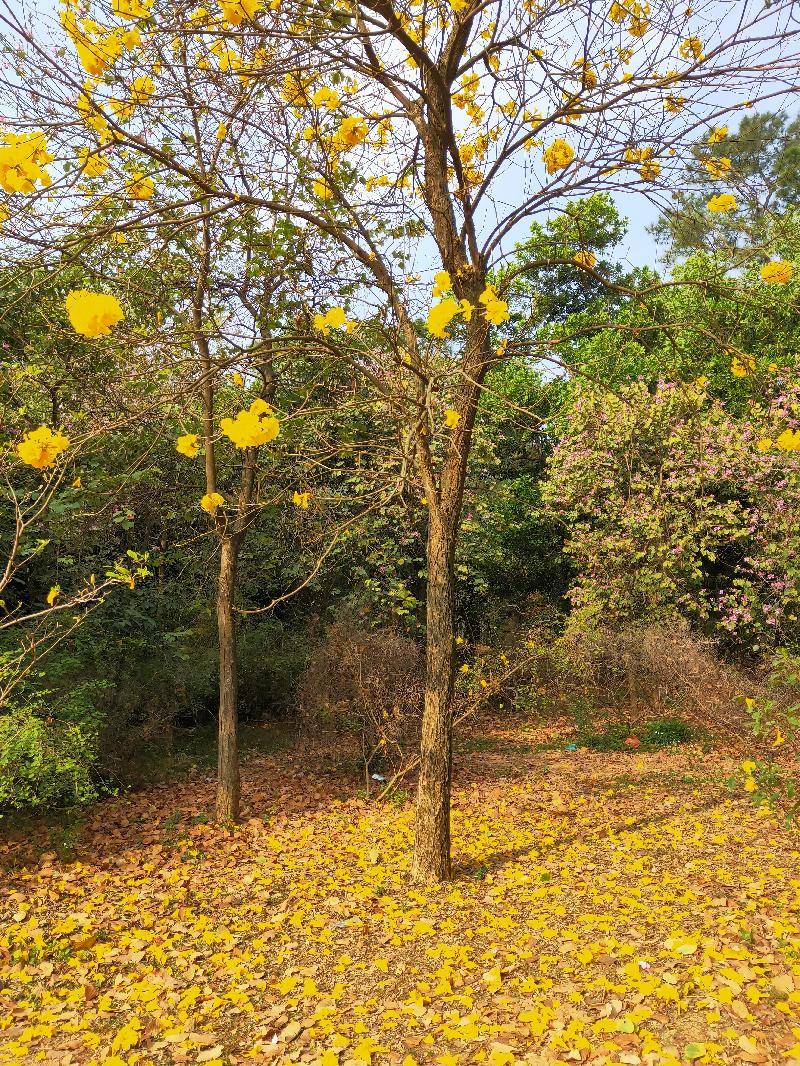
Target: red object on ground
<point>633,742</point>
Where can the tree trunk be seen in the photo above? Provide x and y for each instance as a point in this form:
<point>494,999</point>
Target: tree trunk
<point>432,833</point>
<point>228,752</point>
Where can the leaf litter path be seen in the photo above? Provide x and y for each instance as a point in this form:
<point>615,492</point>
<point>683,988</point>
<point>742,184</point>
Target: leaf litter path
<point>605,908</point>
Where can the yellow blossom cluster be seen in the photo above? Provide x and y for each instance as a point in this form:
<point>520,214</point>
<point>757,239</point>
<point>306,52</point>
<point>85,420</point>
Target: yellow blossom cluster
<point>322,189</point>
<point>237,11</point>
<point>301,499</point>
<point>327,98</point>
<point>496,309</point>
<point>588,260</point>
<point>41,447</point>
<point>742,365</point>
<point>97,47</point>
<point>673,105</point>
<point>465,97</point>
<point>787,441</point>
<point>352,131</point>
<point>718,168</point>
<point>722,204</point>
<point>252,428</point>
<point>637,12</point>
<point>441,283</point>
<point>778,272</point>
<point>93,164</point>
<point>131,9</point>
<point>188,445</point>
<point>211,501</point>
<point>92,314</point>
<point>442,314</point>
<point>691,48</point>
<point>139,187</point>
<point>649,168</point>
<point>334,318</point>
<point>23,158</point>
<point>558,156</point>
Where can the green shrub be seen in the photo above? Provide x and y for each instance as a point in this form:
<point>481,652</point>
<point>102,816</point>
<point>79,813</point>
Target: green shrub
<point>44,762</point>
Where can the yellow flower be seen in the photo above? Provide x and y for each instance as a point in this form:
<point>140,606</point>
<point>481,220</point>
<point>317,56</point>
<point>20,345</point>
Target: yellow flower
<point>496,309</point>
<point>211,501</point>
<point>618,12</point>
<point>750,784</point>
<point>778,272</point>
<point>93,164</point>
<point>441,315</point>
<point>722,204</point>
<point>673,105</point>
<point>352,131</point>
<point>236,11</point>
<point>301,499</point>
<point>718,133</point>
<point>251,429</point>
<point>740,368</point>
<point>650,170</point>
<point>141,91</point>
<point>748,767</point>
<point>779,738</point>
<point>188,445</point>
<point>326,97</point>
<point>131,9</point>
<point>691,48</point>
<point>334,318</point>
<point>764,444</point>
<point>441,283</point>
<point>466,310</point>
<point>139,187</point>
<point>41,447</point>
<point>451,418</point>
<point>718,168</point>
<point>96,49</point>
<point>322,189</point>
<point>585,259</point>
<point>789,440</point>
<point>53,595</point>
<point>558,156</point>
<point>92,314</point>
<point>23,158</point>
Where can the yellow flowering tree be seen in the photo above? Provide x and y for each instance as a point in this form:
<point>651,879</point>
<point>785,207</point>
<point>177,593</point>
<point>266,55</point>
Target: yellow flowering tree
<point>405,134</point>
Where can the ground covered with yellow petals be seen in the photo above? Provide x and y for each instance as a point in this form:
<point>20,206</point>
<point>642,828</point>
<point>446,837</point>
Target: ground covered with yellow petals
<point>605,908</point>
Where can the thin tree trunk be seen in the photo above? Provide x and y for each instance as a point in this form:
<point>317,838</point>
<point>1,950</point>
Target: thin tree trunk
<point>432,833</point>
<point>228,753</point>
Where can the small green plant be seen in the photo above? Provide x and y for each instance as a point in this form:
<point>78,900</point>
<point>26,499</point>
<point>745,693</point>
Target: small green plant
<point>663,732</point>
<point>612,738</point>
<point>660,733</point>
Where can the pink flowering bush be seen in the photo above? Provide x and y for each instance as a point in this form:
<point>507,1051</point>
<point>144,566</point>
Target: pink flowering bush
<point>676,509</point>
